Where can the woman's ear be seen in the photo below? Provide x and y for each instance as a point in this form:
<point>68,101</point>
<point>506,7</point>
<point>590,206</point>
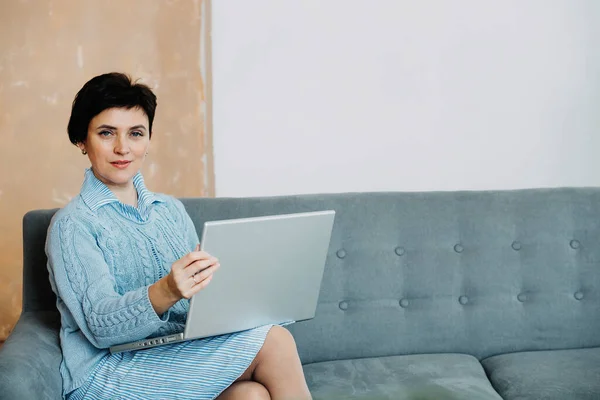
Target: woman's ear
<point>82,148</point>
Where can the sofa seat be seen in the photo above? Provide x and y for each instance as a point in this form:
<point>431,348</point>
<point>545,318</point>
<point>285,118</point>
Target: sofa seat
<point>414,377</point>
<point>549,375</point>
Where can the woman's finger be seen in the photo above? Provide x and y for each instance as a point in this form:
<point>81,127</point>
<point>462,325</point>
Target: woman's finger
<point>198,266</point>
<point>190,258</point>
<point>197,282</point>
<point>201,285</point>
<point>205,273</point>
<point>195,256</point>
<point>194,287</point>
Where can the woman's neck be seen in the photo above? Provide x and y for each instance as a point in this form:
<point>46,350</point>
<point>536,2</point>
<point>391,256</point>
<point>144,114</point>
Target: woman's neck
<point>126,195</point>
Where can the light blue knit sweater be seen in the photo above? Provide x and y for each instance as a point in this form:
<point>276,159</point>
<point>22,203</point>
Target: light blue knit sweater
<point>102,257</point>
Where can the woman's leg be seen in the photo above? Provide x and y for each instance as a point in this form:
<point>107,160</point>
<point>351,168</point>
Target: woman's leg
<point>245,390</point>
<point>277,367</point>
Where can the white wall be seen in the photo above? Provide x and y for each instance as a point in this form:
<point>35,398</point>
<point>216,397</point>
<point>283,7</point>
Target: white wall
<point>354,95</point>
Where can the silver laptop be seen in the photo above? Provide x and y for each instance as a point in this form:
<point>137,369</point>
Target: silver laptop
<point>271,272</point>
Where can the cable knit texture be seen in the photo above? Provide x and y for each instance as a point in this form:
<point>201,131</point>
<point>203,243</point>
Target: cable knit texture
<point>102,257</point>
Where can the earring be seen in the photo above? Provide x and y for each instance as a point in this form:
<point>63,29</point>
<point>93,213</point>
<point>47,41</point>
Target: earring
<point>83,152</point>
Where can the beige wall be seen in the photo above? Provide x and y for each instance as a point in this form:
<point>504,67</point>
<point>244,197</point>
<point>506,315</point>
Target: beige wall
<point>48,50</point>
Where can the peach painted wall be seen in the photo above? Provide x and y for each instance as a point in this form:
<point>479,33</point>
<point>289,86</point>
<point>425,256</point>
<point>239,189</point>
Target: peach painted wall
<point>48,50</point>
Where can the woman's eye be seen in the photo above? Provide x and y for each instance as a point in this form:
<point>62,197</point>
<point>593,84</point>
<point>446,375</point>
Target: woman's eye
<point>137,133</point>
<point>105,133</point>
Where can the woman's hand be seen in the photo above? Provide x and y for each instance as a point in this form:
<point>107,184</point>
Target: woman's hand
<point>189,275</point>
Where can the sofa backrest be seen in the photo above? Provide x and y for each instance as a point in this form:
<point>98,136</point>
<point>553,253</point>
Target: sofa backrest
<point>471,272</point>
<point>37,293</point>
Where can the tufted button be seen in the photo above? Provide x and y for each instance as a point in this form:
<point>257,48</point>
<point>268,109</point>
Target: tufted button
<point>343,305</point>
<point>463,300</point>
<point>578,295</point>
<point>341,253</point>
<point>575,244</point>
<point>516,245</point>
<point>399,251</point>
<point>458,248</point>
<point>403,303</point>
<point>522,297</point>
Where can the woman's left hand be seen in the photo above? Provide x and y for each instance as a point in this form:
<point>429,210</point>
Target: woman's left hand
<point>189,275</point>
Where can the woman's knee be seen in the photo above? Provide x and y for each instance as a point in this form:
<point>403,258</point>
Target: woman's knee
<point>247,390</point>
<point>279,341</point>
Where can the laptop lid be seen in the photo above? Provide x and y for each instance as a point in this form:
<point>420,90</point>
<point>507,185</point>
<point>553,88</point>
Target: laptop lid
<point>271,272</point>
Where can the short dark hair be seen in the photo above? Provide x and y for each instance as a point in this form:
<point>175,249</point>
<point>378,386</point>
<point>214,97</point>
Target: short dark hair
<point>112,90</point>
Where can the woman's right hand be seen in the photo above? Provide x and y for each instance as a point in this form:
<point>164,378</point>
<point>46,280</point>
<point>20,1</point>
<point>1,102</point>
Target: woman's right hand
<point>191,273</point>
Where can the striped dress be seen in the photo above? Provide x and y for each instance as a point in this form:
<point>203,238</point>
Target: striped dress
<point>197,369</point>
<point>102,257</point>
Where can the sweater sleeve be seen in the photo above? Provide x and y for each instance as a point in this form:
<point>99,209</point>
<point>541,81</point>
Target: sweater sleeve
<point>191,236</point>
<point>85,285</point>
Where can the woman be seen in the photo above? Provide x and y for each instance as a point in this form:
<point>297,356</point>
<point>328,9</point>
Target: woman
<point>124,261</point>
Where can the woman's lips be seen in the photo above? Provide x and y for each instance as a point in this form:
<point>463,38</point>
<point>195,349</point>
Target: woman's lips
<point>120,164</point>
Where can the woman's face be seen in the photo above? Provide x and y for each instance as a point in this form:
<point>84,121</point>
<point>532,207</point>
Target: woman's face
<point>117,142</point>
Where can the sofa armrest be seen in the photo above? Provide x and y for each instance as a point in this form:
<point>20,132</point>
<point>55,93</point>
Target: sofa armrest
<point>30,358</point>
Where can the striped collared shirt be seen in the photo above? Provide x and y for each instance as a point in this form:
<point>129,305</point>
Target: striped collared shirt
<point>96,194</point>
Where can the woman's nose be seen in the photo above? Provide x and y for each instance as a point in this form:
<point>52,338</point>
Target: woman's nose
<point>121,146</point>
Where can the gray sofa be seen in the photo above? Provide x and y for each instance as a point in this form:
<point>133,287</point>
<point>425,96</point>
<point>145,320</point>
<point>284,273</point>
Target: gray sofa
<point>441,295</point>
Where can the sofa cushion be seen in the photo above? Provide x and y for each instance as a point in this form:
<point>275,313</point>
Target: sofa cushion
<point>548,375</point>
<point>30,358</point>
<point>415,377</point>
